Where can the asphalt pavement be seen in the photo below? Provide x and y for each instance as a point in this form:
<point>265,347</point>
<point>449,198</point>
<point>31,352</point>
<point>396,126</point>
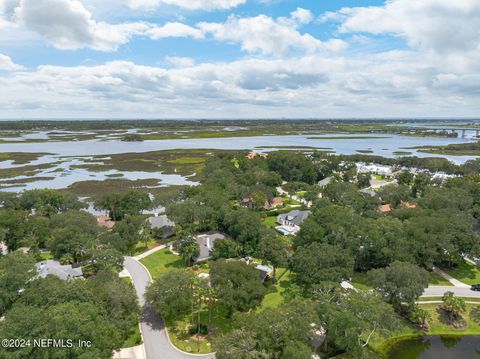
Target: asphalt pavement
<point>155,337</point>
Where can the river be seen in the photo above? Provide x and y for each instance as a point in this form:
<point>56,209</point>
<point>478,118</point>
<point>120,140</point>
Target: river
<point>75,152</point>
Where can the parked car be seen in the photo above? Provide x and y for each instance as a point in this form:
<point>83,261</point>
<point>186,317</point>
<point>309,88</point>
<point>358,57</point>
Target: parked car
<point>475,287</point>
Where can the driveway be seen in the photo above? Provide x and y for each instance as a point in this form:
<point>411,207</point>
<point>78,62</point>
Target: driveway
<point>155,337</point>
<point>439,291</point>
<point>448,277</point>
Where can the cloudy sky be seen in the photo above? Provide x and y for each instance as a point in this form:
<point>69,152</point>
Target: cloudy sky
<point>239,58</point>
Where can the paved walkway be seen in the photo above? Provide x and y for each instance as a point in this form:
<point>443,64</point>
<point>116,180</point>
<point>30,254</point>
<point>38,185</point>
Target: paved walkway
<point>150,251</point>
<point>448,277</point>
<point>441,301</point>
<point>137,352</point>
<point>155,337</point>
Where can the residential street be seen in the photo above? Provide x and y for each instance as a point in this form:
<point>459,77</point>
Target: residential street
<point>438,291</point>
<point>157,344</point>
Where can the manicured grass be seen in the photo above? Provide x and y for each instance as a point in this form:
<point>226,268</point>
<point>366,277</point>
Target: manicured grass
<point>437,327</point>
<point>141,248</point>
<point>290,201</point>
<point>161,261</point>
<point>274,296</point>
<point>465,272</point>
<point>44,255</point>
<point>270,221</point>
<point>180,337</point>
<point>427,299</point>
<point>360,281</point>
<point>435,279</point>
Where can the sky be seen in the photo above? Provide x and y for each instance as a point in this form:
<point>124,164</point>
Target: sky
<point>239,59</point>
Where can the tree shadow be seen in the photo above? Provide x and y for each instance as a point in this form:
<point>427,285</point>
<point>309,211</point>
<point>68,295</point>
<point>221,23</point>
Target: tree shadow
<point>151,318</point>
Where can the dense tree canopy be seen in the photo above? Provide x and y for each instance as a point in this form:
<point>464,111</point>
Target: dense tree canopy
<point>320,262</point>
<point>401,282</point>
<point>292,167</point>
<point>102,310</point>
<point>172,293</point>
<point>287,336</point>
<point>16,270</point>
<point>237,284</point>
<point>119,205</point>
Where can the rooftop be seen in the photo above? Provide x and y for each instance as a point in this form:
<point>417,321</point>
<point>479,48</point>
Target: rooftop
<point>105,221</point>
<point>160,222</point>
<point>205,243</point>
<point>295,217</point>
<point>384,208</point>
<point>53,267</point>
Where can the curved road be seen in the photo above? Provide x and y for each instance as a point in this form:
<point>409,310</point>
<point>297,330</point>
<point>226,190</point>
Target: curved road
<point>155,337</point>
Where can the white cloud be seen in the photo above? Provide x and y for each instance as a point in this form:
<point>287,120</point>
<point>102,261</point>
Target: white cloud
<point>7,64</point>
<point>297,76</point>
<point>187,4</point>
<point>173,29</point>
<point>178,61</point>
<point>397,83</point>
<point>268,36</point>
<point>442,26</point>
<point>68,25</point>
<point>303,16</point>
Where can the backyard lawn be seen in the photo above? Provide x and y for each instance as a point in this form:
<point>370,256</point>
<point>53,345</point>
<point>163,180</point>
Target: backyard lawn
<point>274,296</point>
<point>465,272</point>
<point>270,221</point>
<point>160,261</point>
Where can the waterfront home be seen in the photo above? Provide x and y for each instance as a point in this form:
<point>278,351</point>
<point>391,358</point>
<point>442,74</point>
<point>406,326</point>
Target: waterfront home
<point>251,155</point>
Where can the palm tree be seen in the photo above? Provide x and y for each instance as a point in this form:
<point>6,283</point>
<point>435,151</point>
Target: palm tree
<point>211,298</point>
<point>453,305</point>
<point>200,294</point>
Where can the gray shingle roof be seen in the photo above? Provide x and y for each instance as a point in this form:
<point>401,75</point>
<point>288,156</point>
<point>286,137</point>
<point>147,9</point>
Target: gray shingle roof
<point>325,182</point>
<point>160,222</point>
<point>368,191</point>
<point>53,267</point>
<point>205,244</point>
<point>296,216</point>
